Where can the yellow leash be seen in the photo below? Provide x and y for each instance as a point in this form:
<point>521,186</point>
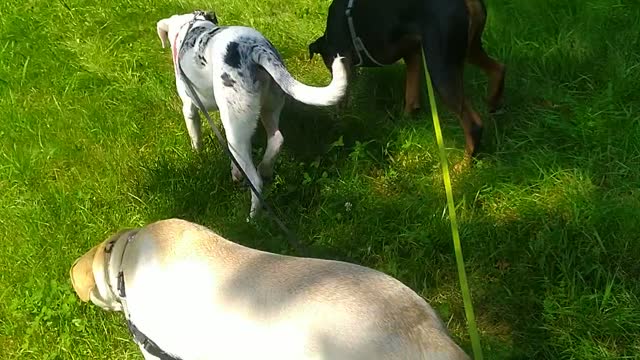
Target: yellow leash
<point>466,293</point>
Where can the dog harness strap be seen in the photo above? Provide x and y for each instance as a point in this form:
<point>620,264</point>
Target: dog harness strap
<point>138,336</point>
<point>358,45</point>
<point>176,52</point>
<point>149,345</point>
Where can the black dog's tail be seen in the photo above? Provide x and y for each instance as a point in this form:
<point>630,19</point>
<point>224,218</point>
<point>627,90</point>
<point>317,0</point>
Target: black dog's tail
<point>267,57</point>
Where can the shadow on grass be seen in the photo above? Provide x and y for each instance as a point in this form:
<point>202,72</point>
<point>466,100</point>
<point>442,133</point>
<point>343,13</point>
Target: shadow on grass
<point>558,275</point>
<point>549,216</point>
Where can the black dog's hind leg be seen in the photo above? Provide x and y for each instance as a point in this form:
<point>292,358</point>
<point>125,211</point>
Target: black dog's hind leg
<point>477,56</point>
<point>412,81</point>
<point>444,39</point>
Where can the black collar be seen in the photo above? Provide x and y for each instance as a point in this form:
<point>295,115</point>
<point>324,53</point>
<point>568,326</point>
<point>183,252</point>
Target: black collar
<point>358,45</point>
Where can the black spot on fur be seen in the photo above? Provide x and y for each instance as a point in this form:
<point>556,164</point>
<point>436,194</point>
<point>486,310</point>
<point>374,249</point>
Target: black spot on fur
<point>227,80</point>
<point>232,57</point>
<point>202,60</point>
<point>190,38</point>
<point>252,69</point>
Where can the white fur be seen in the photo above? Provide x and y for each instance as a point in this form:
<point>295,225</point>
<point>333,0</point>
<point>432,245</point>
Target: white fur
<point>240,105</point>
<point>200,296</point>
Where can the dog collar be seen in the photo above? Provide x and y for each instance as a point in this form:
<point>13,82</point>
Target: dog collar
<point>358,45</point>
<point>108,249</point>
<point>138,336</point>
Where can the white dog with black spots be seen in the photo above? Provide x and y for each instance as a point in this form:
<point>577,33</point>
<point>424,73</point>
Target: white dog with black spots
<point>237,71</point>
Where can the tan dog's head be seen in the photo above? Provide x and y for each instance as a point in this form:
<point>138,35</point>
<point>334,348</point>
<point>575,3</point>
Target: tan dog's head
<point>169,27</point>
<point>89,276</point>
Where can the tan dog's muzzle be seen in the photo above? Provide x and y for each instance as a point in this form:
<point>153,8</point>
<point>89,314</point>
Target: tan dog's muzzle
<point>81,274</point>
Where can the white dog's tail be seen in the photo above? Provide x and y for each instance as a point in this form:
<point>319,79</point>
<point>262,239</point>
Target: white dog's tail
<point>312,95</point>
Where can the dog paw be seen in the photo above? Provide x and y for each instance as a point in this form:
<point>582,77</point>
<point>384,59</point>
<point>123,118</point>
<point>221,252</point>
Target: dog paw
<point>496,89</point>
<point>236,175</point>
<point>196,146</point>
<point>463,166</point>
<point>494,105</point>
<point>265,171</point>
<point>255,210</point>
<point>411,111</point>
<point>497,111</point>
<point>343,105</point>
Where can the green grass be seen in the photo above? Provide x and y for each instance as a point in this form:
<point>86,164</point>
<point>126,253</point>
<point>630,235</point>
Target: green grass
<point>92,140</point>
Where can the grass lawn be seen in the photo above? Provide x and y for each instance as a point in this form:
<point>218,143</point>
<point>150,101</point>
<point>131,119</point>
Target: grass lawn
<point>92,140</point>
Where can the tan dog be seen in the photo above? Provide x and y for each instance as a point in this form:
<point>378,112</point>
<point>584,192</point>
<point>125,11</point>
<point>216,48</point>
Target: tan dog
<point>188,294</point>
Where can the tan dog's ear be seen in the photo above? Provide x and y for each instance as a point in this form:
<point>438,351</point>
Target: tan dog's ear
<point>81,274</point>
<point>163,31</point>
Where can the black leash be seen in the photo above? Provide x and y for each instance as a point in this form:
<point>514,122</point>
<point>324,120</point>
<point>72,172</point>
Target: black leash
<point>293,241</point>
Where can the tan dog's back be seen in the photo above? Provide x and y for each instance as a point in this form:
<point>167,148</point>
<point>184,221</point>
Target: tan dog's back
<point>201,296</point>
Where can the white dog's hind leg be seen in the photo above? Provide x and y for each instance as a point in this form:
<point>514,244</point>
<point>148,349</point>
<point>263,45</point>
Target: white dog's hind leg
<point>236,174</point>
<point>239,128</point>
<point>192,120</point>
<point>270,116</point>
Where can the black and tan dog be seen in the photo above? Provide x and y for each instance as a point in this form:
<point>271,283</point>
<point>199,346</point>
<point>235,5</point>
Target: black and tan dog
<point>376,32</point>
